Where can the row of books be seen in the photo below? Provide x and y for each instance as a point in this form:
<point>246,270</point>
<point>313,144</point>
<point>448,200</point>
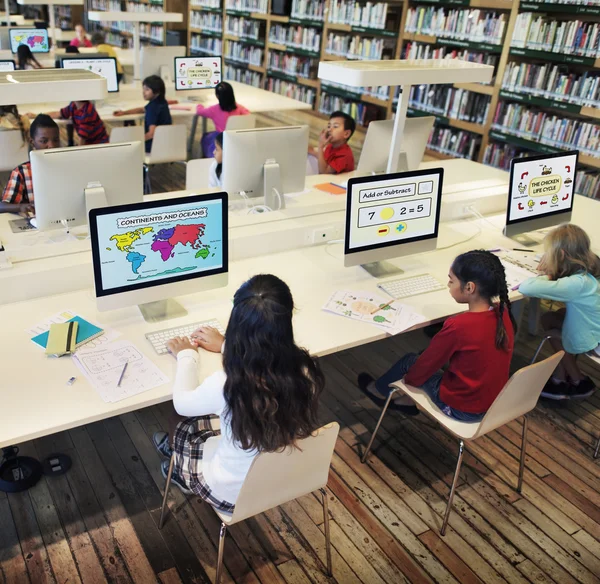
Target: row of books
<point>541,126</point>
<point>137,7</point>
<point>451,102</point>
<point>153,32</point>
<point>311,9</point>
<point>382,92</point>
<point>568,2</point>
<point>243,53</point>
<point>107,5</point>
<point>293,90</point>
<point>553,82</point>
<point>588,183</point>
<point>292,64</point>
<point>363,113</point>
<point>453,142</point>
<point>205,3</point>
<point>544,33</point>
<point>206,20</point>
<point>261,6</point>
<point>243,27</point>
<point>242,75</point>
<point>369,15</point>
<point>462,24</point>
<point>300,37</point>
<point>117,40</point>
<point>208,45</point>
<point>356,46</point>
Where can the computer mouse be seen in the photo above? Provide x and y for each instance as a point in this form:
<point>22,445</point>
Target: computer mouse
<point>33,222</point>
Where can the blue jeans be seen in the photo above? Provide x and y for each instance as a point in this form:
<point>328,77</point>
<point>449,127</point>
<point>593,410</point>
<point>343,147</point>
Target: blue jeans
<point>431,387</point>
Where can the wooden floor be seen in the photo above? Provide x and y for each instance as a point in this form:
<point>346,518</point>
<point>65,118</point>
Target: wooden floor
<point>98,523</point>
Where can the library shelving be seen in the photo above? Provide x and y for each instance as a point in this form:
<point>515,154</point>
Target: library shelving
<point>545,57</point>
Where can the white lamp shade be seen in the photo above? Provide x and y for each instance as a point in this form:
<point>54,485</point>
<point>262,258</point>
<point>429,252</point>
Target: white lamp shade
<point>50,2</point>
<point>134,16</point>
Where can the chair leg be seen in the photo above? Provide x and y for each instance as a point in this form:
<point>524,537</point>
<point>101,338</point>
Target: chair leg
<point>523,450</point>
<point>222,534</point>
<point>327,534</point>
<point>543,342</point>
<point>167,486</point>
<point>385,407</point>
<point>597,451</point>
<point>461,450</point>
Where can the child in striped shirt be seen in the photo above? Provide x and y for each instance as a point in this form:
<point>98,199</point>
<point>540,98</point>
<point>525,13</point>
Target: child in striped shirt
<point>88,124</point>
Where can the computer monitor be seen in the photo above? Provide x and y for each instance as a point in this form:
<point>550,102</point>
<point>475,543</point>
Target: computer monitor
<point>35,38</point>
<point>148,252</point>
<point>7,65</point>
<point>67,182</point>
<point>197,72</point>
<point>540,193</point>
<point>267,162</point>
<point>106,67</point>
<point>159,61</point>
<point>391,215</point>
<point>378,141</point>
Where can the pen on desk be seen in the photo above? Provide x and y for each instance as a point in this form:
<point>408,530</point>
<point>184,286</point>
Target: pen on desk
<point>384,306</point>
<point>122,373</point>
<point>71,381</point>
<point>523,250</point>
<point>496,249</point>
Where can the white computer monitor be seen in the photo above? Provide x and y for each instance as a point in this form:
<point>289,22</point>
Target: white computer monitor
<point>160,61</point>
<point>112,174</point>
<point>105,67</point>
<point>197,72</point>
<point>391,215</point>
<point>267,162</point>
<point>378,141</point>
<point>7,65</point>
<point>540,193</point>
<point>35,38</point>
<point>148,252</point>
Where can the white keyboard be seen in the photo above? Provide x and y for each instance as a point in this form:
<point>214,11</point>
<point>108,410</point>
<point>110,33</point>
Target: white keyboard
<point>412,286</point>
<point>158,339</point>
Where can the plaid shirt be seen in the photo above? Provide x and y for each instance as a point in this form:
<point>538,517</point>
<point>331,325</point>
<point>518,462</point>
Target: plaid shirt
<point>19,188</point>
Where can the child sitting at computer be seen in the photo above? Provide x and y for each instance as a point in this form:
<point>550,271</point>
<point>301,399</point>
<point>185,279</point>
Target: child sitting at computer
<point>266,396</point>
<point>477,345</point>
<point>333,155</point>
<point>570,274</point>
<point>156,112</point>
<point>88,125</point>
<point>26,59</point>
<point>18,194</point>
<point>215,172</point>
<point>99,41</point>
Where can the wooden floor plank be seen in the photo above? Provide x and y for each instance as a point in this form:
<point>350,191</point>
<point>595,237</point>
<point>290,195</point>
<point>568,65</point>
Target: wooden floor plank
<point>170,576</point>
<point>12,563</point>
<point>293,573</point>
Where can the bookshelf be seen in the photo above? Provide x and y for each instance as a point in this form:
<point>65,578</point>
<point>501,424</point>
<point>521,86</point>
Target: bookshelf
<point>521,39</point>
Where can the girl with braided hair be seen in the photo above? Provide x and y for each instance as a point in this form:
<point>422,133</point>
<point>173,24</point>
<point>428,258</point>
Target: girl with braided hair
<point>570,274</point>
<point>477,346</point>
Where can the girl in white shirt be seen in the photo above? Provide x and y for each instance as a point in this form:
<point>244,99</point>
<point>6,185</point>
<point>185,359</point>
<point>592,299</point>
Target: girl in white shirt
<point>215,178</point>
<point>266,396</point>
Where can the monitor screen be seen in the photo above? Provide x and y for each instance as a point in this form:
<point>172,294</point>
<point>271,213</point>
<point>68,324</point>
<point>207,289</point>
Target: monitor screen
<point>197,72</point>
<point>150,244</point>
<point>7,65</point>
<point>35,38</point>
<point>106,67</point>
<point>392,209</point>
<point>541,186</point>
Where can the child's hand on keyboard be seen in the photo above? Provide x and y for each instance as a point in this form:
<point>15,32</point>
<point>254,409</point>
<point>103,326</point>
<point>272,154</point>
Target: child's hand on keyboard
<point>208,338</point>
<point>179,344</point>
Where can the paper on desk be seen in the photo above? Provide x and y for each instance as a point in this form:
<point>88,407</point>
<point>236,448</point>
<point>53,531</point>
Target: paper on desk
<point>102,367</point>
<point>359,306</point>
<point>44,325</point>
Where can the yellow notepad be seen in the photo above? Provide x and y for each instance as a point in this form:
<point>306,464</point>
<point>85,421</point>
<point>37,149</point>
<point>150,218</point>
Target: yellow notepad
<point>62,338</point>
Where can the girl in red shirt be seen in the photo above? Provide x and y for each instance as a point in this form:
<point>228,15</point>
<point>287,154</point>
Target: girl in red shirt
<point>477,346</point>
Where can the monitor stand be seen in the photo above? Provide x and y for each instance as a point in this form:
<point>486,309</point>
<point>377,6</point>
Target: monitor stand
<point>382,269</point>
<point>165,74</point>
<point>521,238</point>
<point>95,197</point>
<point>162,310</point>
<point>273,191</point>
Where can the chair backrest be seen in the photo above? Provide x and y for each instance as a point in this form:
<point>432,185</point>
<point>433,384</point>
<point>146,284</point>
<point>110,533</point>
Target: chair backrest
<point>13,151</point>
<point>127,134</point>
<point>520,394</point>
<point>169,144</point>
<point>278,477</point>
<point>197,173</point>
<point>246,122</point>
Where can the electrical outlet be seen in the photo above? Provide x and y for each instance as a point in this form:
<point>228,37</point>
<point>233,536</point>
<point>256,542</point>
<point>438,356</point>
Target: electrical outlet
<point>322,235</point>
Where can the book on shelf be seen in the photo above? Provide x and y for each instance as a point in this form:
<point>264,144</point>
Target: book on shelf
<point>308,9</point>
<point>243,27</point>
<point>369,15</point>
<point>259,6</point>
<point>205,4</point>
<point>206,20</point>
<point>292,64</point>
<point>453,142</point>
<point>292,90</point>
<point>208,45</point>
<point>363,113</point>
<point>243,53</point>
<point>242,75</point>
<point>300,37</point>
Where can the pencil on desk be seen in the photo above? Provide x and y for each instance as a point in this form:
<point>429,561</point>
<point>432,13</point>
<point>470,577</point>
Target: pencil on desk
<point>384,306</point>
<point>122,373</point>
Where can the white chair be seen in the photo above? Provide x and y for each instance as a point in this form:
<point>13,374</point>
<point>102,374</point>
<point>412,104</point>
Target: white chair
<point>127,134</point>
<point>518,397</point>
<point>13,151</point>
<point>275,478</point>
<point>168,145</point>
<point>247,122</point>
<point>197,173</point>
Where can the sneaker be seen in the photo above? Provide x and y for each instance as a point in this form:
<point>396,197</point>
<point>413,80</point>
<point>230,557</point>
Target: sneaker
<point>583,389</point>
<point>161,443</point>
<point>175,479</point>
<point>366,383</point>
<point>556,391</point>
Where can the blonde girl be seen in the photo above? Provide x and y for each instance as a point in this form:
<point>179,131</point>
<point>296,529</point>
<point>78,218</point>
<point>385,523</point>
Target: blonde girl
<point>569,273</point>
